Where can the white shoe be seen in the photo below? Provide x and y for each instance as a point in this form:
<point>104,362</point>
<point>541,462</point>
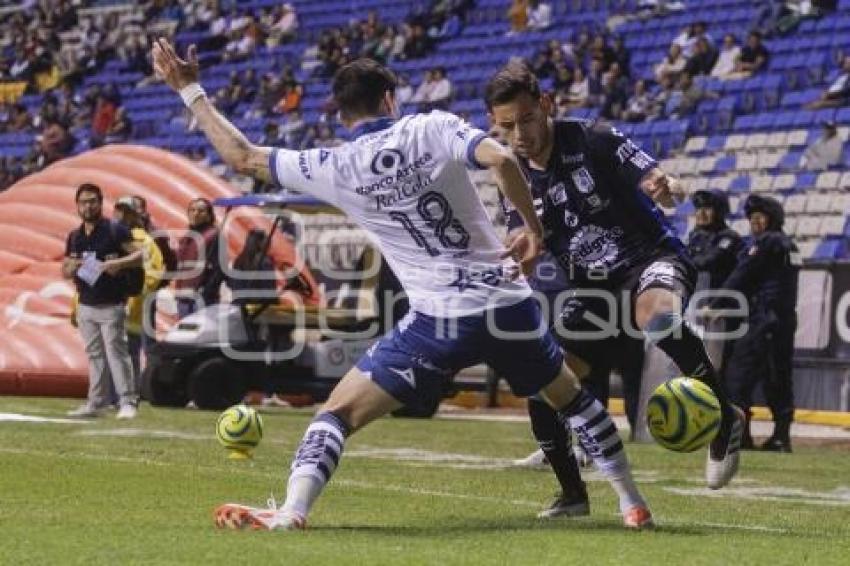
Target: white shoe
<point>127,412</point>
<point>536,459</point>
<point>236,516</point>
<point>275,401</point>
<point>85,412</point>
<point>724,454</point>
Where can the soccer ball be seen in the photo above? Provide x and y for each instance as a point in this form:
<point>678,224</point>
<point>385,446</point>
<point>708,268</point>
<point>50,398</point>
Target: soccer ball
<point>683,414</point>
<point>239,429</point>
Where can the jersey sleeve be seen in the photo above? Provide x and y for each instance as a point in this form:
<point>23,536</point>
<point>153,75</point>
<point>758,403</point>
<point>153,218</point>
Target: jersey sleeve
<point>618,153</point>
<point>309,171</point>
<point>455,137</point>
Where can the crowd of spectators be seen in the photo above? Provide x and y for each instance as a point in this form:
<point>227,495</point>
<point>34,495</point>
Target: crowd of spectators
<point>594,71</point>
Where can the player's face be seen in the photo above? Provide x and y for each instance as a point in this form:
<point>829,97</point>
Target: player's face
<point>523,123</point>
<point>758,223</point>
<point>704,216</point>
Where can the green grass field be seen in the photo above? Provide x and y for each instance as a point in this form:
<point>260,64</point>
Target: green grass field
<point>407,492</point>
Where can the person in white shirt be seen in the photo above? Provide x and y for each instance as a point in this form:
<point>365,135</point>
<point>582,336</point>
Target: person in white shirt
<point>824,152</point>
<point>539,15</point>
<point>404,181</point>
<point>672,65</point>
<point>440,95</point>
<point>729,52</point>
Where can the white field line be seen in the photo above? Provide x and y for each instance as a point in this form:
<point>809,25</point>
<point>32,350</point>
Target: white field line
<point>18,418</point>
<point>358,485</point>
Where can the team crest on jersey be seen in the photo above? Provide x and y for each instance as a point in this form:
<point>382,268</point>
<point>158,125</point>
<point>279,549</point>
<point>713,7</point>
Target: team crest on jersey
<point>558,194</point>
<point>570,218</point>
<point>386,161</point>
<point>594,247</point>
<point>582,180</point>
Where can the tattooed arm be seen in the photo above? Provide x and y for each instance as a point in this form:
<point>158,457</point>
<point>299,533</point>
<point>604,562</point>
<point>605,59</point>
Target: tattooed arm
<point>231,144</point>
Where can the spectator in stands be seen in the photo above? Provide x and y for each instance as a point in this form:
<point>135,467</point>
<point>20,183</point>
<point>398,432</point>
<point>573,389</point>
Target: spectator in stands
<point>243,42</point>
<point>688,96</point>
<point>703,59</point>
<point>577,95</point>
<point>135,54</point>
<point>290,100</point>
<point>622,56</point>
<point>130,217</point>
<point>19,119</point>
<point>825,152</point>
<point>404,92</point>
<point>727,58</point>
<point>599,49</point>
<point>640,104</point>
<point>518,16</point>
<point>615,92</point>
<point>199,274</point>
<point>284,29</point>
<point>103,116</point>
<point>293,129</point>
<point>838,92</point>
<point>418,44</point>
<point>100,314</point>
<point>539,15</point>
<point>54,143</point>
<point>753,58</point>
<point>326,137</point>
<point>595,84</point>
<point>121,128</point>
<point>672,65</point>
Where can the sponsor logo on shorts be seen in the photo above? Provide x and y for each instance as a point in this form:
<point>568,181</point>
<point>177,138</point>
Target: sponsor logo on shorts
<point>304,165</point>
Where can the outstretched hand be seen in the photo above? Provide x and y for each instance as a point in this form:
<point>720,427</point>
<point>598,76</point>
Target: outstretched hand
<point>176,72</point>
<point>524,246</point>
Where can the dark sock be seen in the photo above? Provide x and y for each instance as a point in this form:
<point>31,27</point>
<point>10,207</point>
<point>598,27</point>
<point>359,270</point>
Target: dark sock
<point>676,339</point>
<point>554,439</point>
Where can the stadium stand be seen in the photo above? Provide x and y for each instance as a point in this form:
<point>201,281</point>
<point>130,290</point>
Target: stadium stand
<point>748,136</point>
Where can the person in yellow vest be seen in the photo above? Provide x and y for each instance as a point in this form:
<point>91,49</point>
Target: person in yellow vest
<point>152,262</point>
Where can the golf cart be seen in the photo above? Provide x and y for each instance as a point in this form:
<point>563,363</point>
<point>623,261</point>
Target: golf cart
<point>214,356</point>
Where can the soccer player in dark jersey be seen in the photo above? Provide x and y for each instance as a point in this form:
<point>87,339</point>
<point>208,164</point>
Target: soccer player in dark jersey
<point>599,193</point>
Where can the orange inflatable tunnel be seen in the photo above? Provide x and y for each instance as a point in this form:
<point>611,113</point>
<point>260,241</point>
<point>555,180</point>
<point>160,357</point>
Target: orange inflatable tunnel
<point>40,352</point>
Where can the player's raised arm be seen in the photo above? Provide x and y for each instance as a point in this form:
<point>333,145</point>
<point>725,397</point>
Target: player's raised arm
<point>231,144</point>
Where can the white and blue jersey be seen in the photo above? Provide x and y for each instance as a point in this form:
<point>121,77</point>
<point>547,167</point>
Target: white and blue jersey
<point>405,183</point>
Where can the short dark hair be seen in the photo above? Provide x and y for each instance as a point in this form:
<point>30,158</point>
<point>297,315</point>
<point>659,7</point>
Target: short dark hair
<point>509,82</point>
<point>89,188</point>
<point>359,87</point>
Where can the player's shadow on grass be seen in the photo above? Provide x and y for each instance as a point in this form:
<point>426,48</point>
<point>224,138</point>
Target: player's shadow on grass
<point>456,527</point>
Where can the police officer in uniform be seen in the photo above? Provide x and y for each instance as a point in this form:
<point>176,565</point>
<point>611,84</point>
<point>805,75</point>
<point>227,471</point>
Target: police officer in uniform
<point>767,275</point>
<point>712,245</point>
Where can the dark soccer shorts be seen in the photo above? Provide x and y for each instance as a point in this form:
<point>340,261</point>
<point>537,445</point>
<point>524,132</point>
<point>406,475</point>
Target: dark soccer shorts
<point>423,353</point>
<point>589,321</point>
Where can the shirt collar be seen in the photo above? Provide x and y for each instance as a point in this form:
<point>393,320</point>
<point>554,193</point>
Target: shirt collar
<point>369,126</point>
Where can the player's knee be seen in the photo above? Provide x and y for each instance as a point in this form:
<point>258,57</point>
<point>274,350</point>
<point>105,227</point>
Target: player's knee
<point>561,391</point>
<point>661,324</point>
<point>654,303</point>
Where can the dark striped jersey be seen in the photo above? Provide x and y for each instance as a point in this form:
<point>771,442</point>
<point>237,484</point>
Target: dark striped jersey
<point>598,221</point>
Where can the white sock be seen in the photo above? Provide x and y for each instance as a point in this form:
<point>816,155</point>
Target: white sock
<point>315,462</point>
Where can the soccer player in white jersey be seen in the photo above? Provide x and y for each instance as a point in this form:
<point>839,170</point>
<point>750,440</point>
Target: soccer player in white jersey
<point>404,181</point>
